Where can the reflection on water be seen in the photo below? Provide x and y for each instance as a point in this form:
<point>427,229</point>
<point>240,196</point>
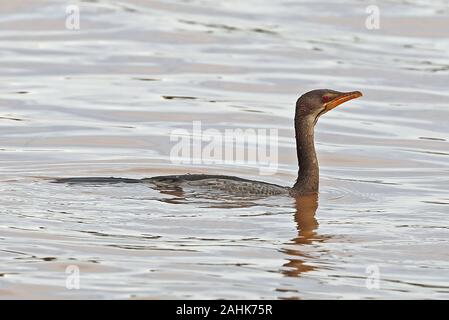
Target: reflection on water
<point>307,226</point>
<point>103,100</point>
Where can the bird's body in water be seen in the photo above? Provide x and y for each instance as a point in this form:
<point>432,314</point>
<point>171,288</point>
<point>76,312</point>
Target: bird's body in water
<point>220,183</point>
<point>309,107</point>
<point>228,184</point>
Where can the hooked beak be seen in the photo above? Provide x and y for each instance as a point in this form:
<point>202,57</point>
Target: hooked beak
<point>343,97</point>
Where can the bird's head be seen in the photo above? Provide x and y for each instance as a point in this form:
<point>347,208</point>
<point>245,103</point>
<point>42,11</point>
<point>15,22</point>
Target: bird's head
<point>311,105</point>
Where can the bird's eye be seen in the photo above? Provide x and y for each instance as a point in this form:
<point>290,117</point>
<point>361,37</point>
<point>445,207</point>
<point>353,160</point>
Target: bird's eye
<point>326,98</point>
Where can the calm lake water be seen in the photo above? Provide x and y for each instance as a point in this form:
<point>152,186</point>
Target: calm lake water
<point>103,100</point>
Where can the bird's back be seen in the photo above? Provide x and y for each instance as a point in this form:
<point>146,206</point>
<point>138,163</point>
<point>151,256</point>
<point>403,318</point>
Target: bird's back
<point>228,184</point>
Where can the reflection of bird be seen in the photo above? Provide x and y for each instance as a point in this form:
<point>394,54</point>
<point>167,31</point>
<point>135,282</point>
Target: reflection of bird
<point>309,107</point>
<point>307,225</point>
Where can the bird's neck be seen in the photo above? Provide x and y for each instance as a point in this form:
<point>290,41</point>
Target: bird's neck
<point>308,172</point>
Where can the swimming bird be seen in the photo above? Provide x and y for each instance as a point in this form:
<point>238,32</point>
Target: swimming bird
<point>309,108</point>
